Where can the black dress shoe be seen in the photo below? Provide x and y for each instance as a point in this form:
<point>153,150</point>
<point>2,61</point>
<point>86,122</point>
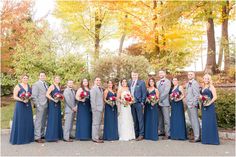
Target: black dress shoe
<point>161,134</point>
<point>195,141</point>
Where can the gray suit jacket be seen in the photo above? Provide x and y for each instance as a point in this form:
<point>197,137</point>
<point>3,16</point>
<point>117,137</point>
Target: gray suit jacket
<point>192,93</point>
<point>39,94</point>
<point>96,98</point>
<point>164,90</point>
<point>70,101</point>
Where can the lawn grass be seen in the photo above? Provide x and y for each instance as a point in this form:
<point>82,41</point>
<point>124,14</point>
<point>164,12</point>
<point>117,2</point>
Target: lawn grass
<point>6,115</point>
<point>7,111</point>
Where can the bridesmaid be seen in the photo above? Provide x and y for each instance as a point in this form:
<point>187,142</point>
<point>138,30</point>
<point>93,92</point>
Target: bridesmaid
<point>150,114</point>
<point>22,130</point>
<point>84,114</point>
<point>177,120</point>
<point>54,125</point>
<point>110,116</point>
<point>209,123</point>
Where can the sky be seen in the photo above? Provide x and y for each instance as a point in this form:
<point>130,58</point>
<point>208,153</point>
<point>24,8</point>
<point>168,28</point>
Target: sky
<point>46,7</point>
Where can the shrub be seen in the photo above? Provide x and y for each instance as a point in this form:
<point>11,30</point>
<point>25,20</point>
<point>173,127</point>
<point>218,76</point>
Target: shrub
<point>225,108</point>
<point>118,67</point>
<point>7,83</point>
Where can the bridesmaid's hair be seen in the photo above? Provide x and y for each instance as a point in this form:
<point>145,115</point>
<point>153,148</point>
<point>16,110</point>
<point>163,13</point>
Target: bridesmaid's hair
<point>209,78</point>
<point>113,85</point>
<point>153,81</point>
<point>81,84</point>
<point>56,76</point>
<point>23,75</point>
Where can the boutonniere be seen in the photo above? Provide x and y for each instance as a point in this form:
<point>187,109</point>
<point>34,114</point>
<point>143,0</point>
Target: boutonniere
<point>162,82</point>
<point>190,84</point>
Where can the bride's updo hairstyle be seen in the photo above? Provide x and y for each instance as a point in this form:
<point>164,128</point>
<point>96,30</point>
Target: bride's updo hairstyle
<point>122,80</point>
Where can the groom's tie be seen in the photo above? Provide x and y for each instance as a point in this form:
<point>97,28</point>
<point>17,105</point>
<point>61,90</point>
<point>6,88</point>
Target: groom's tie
<point>132,83</point>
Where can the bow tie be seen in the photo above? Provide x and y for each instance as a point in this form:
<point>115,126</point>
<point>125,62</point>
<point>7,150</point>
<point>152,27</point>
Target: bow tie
<point>190,83</point>
<point>162,80</point>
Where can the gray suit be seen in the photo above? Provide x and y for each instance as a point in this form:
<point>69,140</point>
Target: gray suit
<point>192,94</point>
<point>164,106</point>
<point>70,103</point>
<point>39,90</point>
<point>97,104</point>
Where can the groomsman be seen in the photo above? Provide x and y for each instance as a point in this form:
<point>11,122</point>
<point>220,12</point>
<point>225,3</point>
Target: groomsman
<point>164,86</point>
<point>70,110</point>
<point>192,94</point>
<point>97,104</point>
<point>40,101</point>
<point>139,92</point>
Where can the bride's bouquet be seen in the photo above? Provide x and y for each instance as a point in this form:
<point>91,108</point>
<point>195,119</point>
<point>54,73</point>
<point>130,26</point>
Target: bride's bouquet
<point>127,100</point>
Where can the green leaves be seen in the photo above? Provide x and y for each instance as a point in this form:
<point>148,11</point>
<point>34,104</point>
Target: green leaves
<point>118,67</point>
<point>225,108</point>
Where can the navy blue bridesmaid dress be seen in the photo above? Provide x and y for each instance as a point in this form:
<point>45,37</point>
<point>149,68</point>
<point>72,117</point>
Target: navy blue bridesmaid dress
<point>110,120</point>
<point>22,130</point>
<point>209,122</point>
<point>84,120</point>
<point>151,120</point>
<point>177,120</point>
<point>54,125</point>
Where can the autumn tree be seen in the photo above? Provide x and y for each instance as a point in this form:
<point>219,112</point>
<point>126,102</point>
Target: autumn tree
<point>13,16</point>
<point>89,22</point>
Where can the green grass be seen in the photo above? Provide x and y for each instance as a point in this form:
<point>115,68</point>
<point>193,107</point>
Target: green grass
<point>6,115</point>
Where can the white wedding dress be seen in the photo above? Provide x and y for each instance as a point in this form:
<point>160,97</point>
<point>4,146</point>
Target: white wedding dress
<point>125,121</point>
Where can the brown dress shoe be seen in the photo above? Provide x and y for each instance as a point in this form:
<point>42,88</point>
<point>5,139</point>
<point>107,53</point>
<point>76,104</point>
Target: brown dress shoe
<point>98,141</point>
<point>39,141</point>
<point>140,138</point>
<point>166,137</point>
<point>70,140</point>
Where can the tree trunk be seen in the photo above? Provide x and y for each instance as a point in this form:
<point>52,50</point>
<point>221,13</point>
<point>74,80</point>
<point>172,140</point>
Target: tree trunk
<point>157,47</point>
<point>98,25</point>
<point>122,39</point>
<point>211,49</point>
<point>225,36</point>
<point>224,43</point>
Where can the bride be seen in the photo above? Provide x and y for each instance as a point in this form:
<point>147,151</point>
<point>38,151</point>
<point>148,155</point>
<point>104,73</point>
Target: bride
<point>125,119</point>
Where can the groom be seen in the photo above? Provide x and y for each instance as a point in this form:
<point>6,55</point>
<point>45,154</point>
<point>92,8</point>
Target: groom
<point>138,91</point>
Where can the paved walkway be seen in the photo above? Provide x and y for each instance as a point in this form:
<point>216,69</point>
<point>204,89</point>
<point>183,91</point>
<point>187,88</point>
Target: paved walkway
<point>118,148</point>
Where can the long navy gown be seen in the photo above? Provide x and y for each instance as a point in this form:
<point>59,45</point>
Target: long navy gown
<point>209,122</point>
<point>84,120</point>
<point>22,130</point>
<point>177,120</point>
<point>151,120</point>
<point>110,120</point>
<point>54,130</point>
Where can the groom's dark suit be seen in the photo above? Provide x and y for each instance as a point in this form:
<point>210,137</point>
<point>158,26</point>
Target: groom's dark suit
<point>139,92</point>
